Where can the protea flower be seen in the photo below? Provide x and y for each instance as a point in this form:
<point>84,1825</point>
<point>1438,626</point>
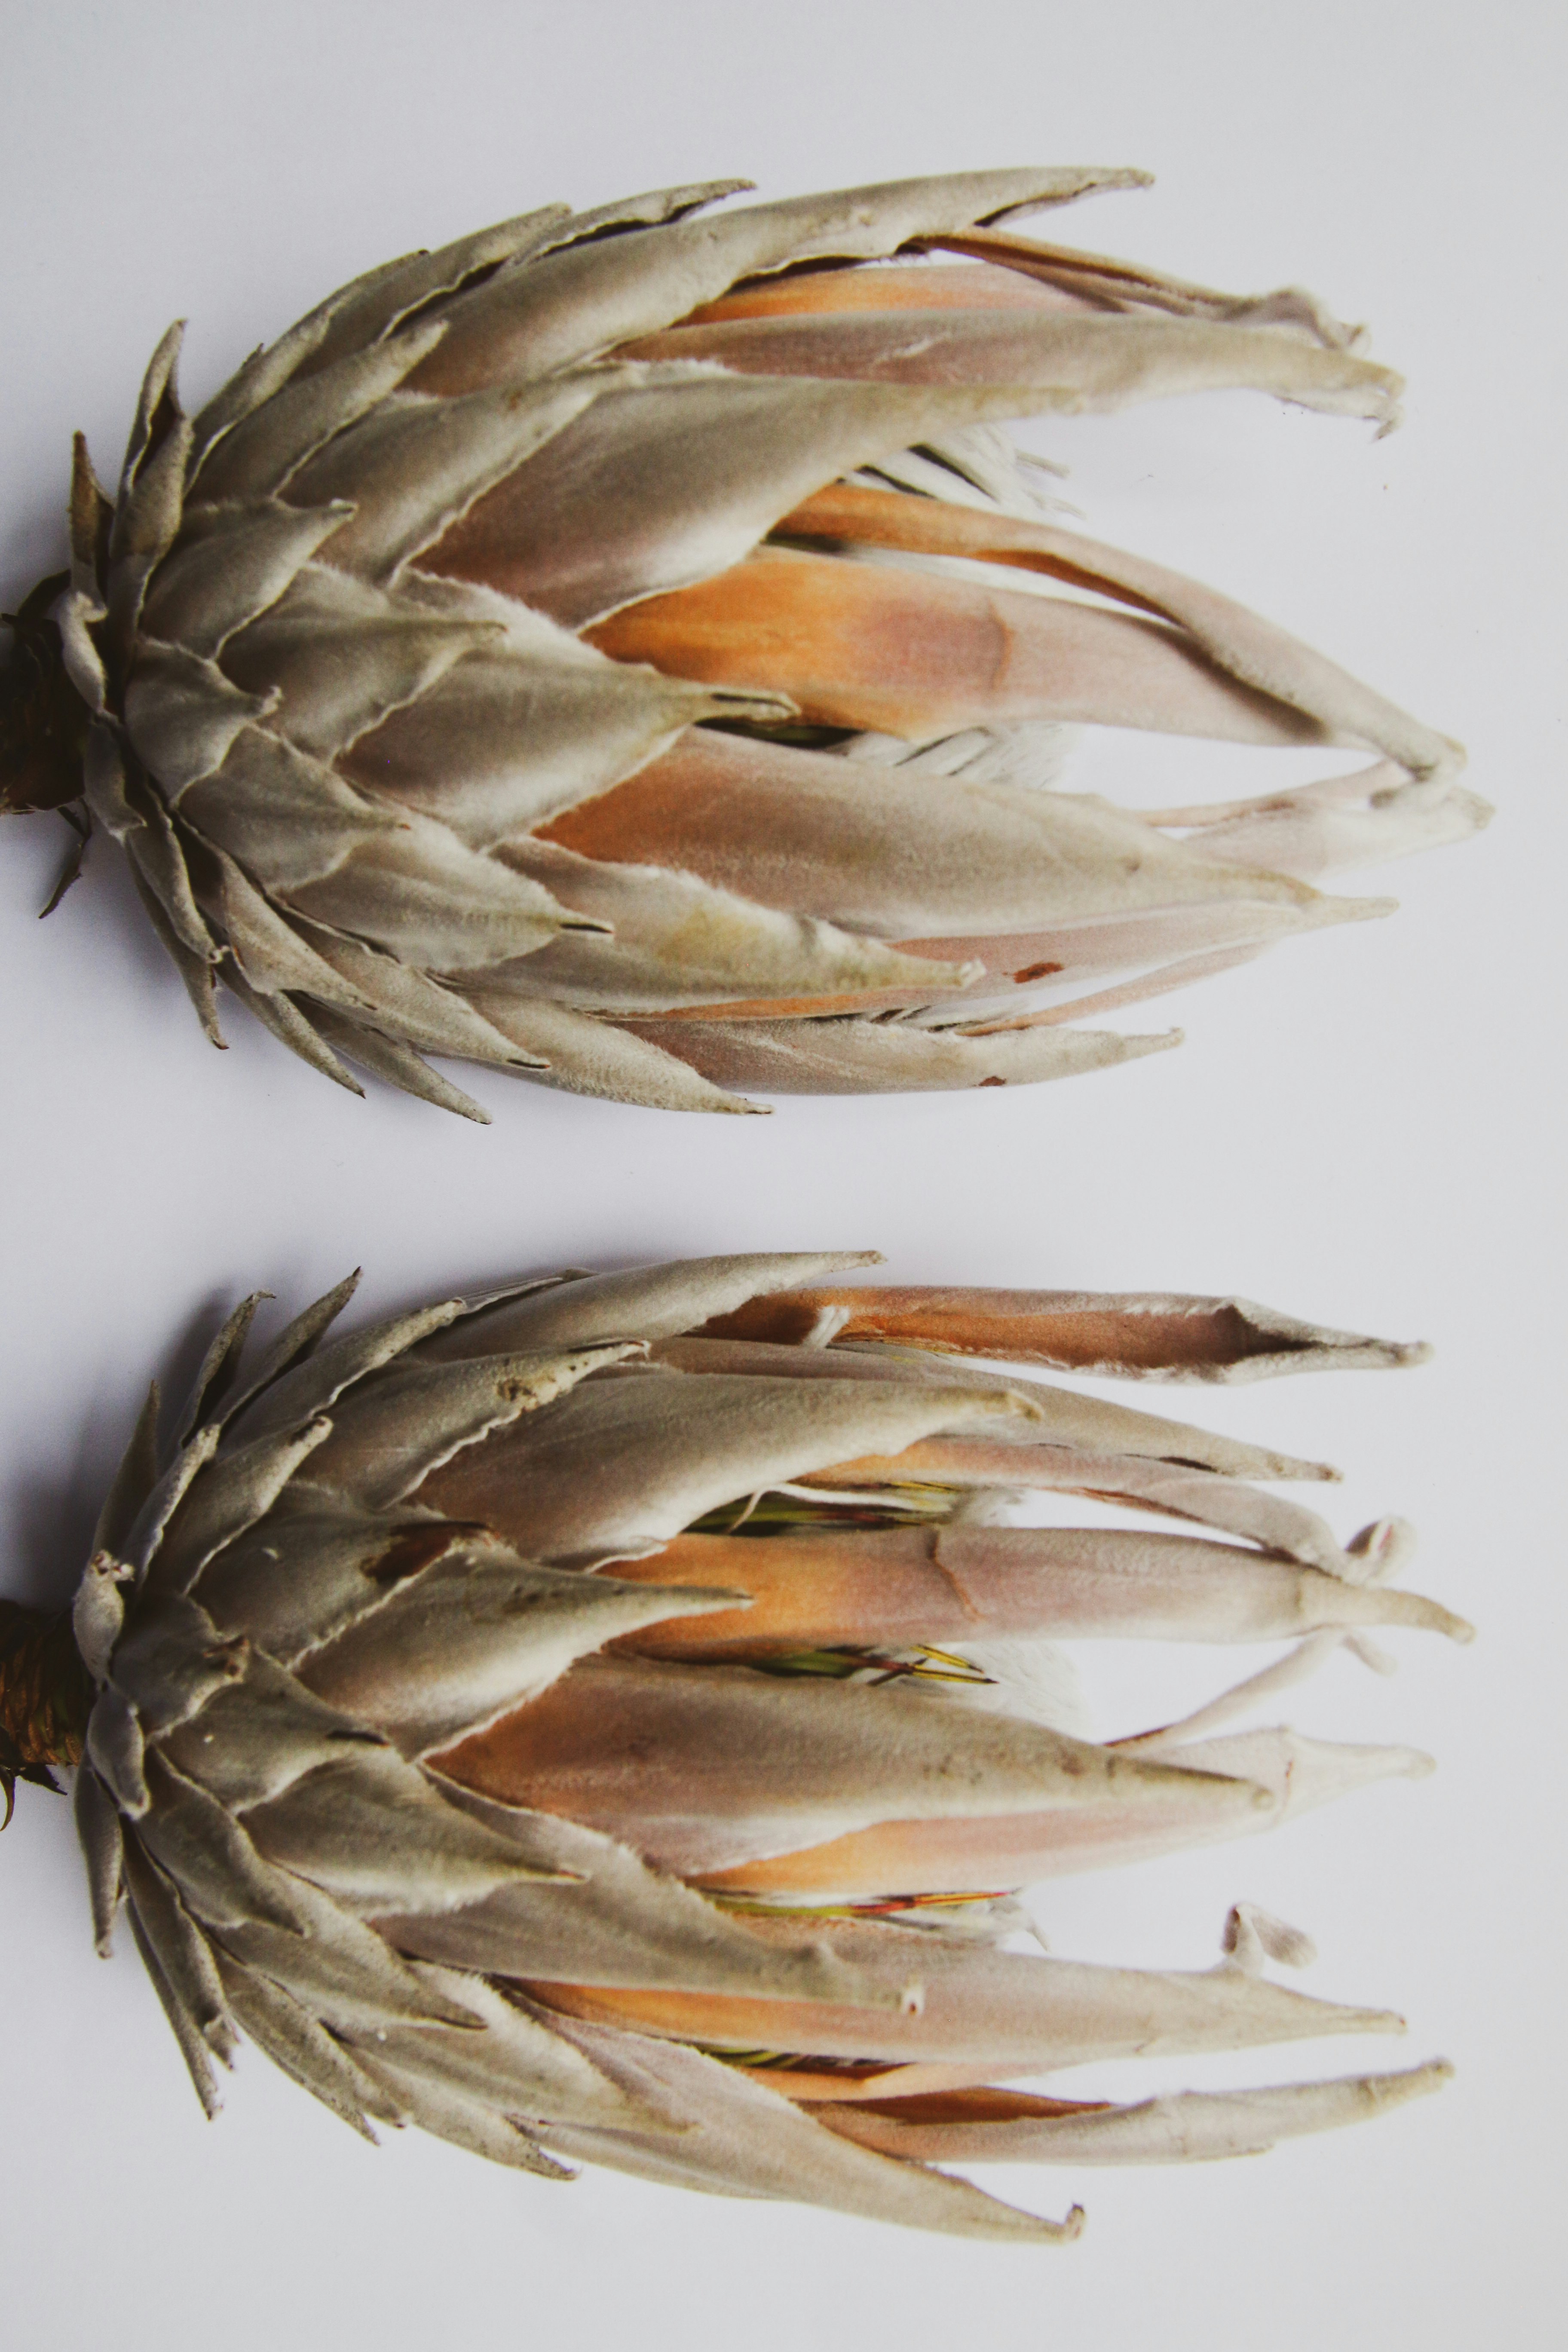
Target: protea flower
<point>609,648</point>
<point>608,1719</point>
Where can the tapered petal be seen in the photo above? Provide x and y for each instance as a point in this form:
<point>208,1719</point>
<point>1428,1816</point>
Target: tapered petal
<point>701,1867</point>
<point>1251,650</point>
<point>1149,1335</point>
<point>1180,2127</point>
<point>821,1343</point>
<point>703,1767</point>
<point>1015,875</point>
<point>622,1463</point>
<point>847,1056</point>
<point>918,654</point>
<point>1103,363</point>
<point>1003,2012</point>
<point>812,1589</point>
<point>1266,1519</point>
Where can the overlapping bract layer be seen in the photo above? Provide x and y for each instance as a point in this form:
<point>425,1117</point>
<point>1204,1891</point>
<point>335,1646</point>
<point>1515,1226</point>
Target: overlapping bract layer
<point>607,1719</point>
<point>550,653</point>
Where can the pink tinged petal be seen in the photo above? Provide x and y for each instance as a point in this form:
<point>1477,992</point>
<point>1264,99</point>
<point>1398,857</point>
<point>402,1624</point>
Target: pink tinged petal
<point>1062,955</point>
<point>1006,873</point>
<point>982,1012</point>
<point>815,2086</point>
<point>1256,652</point>
<point>916,1856</point>
<point>1032,982</point>
<point>716,2130</point>
<point>813,1590</point>
<point>824,1348</point>
<point>1363,819</point>
<point>986,1852</point>
<point>1300,1773</point>
<point>1068,1417</point>
<point>568,306</point>
<point>854,1056</point>
<point>1105,363</point>
<point>996,1020</point>
<point>977,2009</point>
<point>703,1767</point>
<point>625,1461</point>
<point>898,286</point>
<point>1150,1335</point>
<point>1180,2127</point>
<point>919,655</point>
<point>1099,279</point>
<point>1239,1510</point>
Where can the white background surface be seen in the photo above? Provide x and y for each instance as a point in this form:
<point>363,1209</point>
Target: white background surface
<point>1360,1128</point>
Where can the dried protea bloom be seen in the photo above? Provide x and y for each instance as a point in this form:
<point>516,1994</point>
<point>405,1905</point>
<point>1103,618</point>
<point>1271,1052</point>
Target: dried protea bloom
<point>608,1719</point>
<point>552,653</point>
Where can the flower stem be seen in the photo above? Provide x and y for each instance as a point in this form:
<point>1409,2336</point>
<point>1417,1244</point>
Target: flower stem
<point>43,720</point>
<point>46,1697</point>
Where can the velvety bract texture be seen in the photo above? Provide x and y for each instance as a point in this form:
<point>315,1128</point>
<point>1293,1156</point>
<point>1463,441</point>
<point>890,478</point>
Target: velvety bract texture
<point>613,1718</point>
<point>613,648</point>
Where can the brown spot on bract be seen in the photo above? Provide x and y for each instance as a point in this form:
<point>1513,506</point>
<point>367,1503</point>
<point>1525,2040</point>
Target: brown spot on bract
<point>416,1547</point>
<point>1038,971</point>
<point>993,1082</point>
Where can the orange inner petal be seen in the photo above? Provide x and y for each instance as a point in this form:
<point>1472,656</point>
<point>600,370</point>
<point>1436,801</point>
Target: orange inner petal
<point>1003,1851</point>
<point>1019,1326</point>
<point>893,286</point>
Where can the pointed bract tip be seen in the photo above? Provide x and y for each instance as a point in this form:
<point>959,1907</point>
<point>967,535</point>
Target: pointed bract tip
<point>1157,1040</point>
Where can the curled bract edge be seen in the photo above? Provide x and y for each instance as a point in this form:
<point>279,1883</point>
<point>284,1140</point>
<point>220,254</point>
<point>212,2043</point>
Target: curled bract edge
<point>613,649</point>
<point>612,1718</point>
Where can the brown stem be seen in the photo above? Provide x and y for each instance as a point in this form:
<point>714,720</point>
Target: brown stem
<point>46,1697</point>
<point>43,720</point>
